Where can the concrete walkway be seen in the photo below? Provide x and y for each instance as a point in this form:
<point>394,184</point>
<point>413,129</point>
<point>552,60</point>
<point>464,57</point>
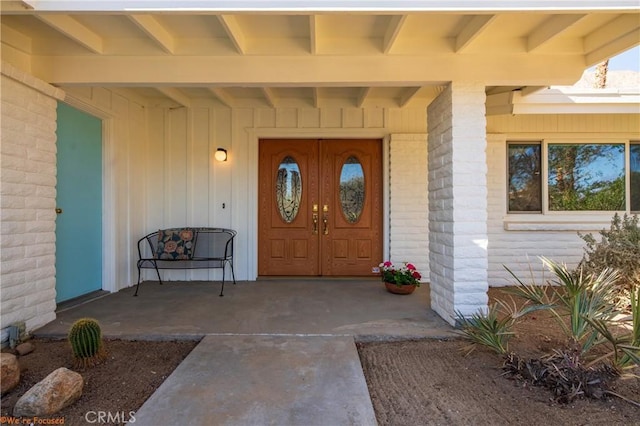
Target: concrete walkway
<point>264,380</point>
<point>273,352</point>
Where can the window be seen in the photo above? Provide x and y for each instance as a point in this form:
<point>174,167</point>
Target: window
<point>634,163</point>
<point>579,177</point>
<point>525,193</point>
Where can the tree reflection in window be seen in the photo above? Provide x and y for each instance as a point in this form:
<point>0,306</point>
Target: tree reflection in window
<point>525,193</point>
<point>288,189</point>
<point>586,177</point>
<point>635,176</point>
<point>352,189</point>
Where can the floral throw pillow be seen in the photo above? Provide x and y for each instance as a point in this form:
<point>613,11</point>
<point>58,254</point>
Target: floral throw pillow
<point>176,244</point>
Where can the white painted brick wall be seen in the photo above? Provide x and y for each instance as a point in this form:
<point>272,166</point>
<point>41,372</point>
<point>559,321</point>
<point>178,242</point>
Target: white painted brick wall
<point>27,214</point>
<point>409,214</point>
<point>457,200</point>
<point>552,236</point>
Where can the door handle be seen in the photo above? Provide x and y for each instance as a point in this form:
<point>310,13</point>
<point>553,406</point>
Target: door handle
<point>314,218</point>
<point>58,210</point>
<point>325,219</point>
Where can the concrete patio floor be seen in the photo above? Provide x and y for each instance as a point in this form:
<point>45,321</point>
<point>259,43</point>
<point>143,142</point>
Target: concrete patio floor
<point>359,308</point>
<point>273,352</point>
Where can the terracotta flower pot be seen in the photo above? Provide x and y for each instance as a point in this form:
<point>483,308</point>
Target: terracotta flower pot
<point>403,289</point>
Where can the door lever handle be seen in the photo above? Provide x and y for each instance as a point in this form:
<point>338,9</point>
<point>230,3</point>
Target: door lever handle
<point>314,229</point>
<point>325,228</point>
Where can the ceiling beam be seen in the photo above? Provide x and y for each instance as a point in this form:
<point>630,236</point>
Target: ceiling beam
<point>175,95</point>
<point>472,30</point>
<point>155,31</point>
<point>234,31</point>
<point>269,96</point>
<point>393,31</point>
<point>308,70</point>
<point>408,95</point>
<point>222,96</point>
<point>551,28</point>
<point>362,96</point>
<point>74,30</point>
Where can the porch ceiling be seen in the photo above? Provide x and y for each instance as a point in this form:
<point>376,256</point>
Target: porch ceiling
<point>306,57</point>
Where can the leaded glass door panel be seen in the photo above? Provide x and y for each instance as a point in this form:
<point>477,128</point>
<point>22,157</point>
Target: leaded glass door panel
<point>320,207</point>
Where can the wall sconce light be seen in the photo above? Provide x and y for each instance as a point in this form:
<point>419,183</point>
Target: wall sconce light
<point>221,154</point>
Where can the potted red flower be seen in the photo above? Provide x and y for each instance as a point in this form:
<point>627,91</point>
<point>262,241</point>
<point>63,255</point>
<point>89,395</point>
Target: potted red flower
<point>402,279</point>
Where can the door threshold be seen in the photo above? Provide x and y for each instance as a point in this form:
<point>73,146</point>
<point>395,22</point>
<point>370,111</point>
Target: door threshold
<point>80,300</point>
<point>313,278</point>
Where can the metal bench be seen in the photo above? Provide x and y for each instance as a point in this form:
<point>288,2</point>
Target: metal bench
<point>187,248</point>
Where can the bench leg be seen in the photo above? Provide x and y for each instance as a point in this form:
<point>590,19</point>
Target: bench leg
<point>222,286</point>
<point>138,285</point>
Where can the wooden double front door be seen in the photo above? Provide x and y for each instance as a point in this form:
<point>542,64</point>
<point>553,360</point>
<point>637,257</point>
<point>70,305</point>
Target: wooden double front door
<point>320,207</point>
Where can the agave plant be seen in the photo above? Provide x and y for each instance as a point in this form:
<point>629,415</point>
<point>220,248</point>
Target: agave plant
<point>575,296</point>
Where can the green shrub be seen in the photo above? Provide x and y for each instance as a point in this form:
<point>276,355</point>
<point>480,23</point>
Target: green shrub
<point>85,337</point>
<point>619,249</point>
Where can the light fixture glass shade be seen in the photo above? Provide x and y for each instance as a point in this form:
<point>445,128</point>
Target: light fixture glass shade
<point>221,154</point>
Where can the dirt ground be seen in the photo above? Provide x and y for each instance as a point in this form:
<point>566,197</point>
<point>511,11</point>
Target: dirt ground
<point>424,382</point>
<point>133,370</point>
<point>432,382</point>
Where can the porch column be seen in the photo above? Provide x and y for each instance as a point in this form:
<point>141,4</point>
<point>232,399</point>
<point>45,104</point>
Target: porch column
<point>457,166</point>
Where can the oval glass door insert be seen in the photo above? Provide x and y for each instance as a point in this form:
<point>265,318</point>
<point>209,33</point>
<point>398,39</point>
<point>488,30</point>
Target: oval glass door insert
<point>352,189</point>
<point>288,189</point>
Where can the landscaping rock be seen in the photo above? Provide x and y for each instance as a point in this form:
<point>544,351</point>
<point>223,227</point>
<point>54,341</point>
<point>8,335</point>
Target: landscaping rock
<point>56,391</point>
<point>10,372</point>
<point>25,348</point>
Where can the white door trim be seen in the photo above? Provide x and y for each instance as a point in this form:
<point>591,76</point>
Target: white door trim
<point>253,137</point>
<point>108,191</point>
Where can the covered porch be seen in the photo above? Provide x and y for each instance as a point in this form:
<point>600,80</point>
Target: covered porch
<point>183,310</point>
<point>172,85</point>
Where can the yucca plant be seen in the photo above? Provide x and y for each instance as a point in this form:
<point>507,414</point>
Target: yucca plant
<point>575,296</point>
<point>626,346</point>
<point>492,329</point>
<point>85,337</point>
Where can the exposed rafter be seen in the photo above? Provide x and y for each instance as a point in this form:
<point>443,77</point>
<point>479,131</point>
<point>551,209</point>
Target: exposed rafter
<point>313,34</point>
<point>175,95</point>
<point>75,31</point>
<point>222,96</point>
<point>16,39</point>
<point>269,96</point>
<point>362,96</point>
<point>393,30</point>
<point>550,29</point>
<point>472,30</point>
<point>155,31</point>
<point>612,38</point>
<point>234,31</point>
<point>408,95</point>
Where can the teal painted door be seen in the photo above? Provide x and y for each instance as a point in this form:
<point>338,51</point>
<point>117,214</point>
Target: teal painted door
<point>79,204</point>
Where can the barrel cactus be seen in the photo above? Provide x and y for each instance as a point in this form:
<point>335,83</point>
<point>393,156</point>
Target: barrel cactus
<point>85,337</point>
